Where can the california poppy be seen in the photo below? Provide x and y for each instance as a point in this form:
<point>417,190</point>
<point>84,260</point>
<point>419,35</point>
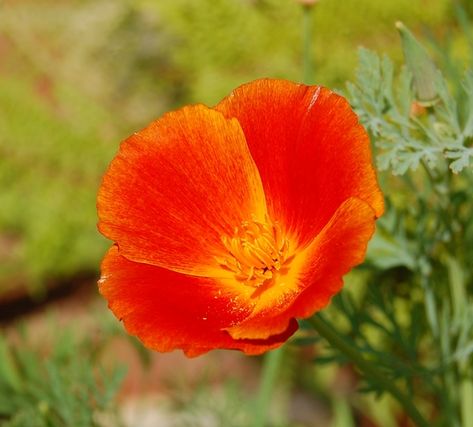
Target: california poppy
<point>231,222</point>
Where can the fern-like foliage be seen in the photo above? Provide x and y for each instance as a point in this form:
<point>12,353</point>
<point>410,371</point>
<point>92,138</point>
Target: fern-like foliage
<point>59,388</point>
<point>405,132</point>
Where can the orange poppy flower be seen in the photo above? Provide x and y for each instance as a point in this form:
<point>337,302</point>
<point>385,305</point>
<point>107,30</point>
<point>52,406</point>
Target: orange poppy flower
<point>231,222</point>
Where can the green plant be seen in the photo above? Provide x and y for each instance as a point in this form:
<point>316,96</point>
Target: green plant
<point>60,387</point>
<point>409,329</point>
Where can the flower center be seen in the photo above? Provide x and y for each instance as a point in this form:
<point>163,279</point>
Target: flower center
<point>256,252</point>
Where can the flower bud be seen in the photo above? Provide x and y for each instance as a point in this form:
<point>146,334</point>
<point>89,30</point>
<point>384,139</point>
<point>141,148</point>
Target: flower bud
<point>307,3</point>
<point>420,65</point>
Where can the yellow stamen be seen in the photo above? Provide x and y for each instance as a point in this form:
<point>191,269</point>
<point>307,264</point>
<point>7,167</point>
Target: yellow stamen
<point>256,252</point>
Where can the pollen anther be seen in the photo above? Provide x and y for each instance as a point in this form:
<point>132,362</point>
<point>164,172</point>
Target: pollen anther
<point>256,252</point>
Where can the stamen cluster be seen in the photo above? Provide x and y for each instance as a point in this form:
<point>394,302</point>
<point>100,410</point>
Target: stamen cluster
<point>256,252</point>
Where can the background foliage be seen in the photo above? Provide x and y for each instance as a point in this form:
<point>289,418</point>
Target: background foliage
<point>411,314</point>
<point>63,384</point>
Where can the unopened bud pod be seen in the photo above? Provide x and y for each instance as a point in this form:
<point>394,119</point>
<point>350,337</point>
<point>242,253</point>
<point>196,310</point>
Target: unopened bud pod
<point>421,66</point>
<point>307,3</point>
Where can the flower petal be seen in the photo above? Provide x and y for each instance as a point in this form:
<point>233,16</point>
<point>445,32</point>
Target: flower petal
<point>316,273</point>
<point>168,310</point>
<point>311,152</point>
<point>176,187</point>
<point>334,252</point>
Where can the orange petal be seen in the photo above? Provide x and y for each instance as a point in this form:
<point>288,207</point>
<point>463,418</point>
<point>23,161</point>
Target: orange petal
<point>311,152</point>
<point>315,274</point>
<point>176,187</point>
<point>168,310</point>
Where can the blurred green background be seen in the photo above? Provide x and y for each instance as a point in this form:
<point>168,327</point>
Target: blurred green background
<point>76,77</point>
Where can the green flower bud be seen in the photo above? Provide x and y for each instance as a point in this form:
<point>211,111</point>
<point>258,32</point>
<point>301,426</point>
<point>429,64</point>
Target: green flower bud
<point>421,66</point>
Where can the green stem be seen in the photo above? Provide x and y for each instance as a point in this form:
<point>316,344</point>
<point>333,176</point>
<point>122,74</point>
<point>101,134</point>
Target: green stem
<point>367,367</point>
<point>272,363</point>
<point>466,397</point>
<point>307,41</point>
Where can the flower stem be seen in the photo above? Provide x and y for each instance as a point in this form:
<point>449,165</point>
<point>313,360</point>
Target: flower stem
<point>368,368</point>
<point>306,43</point>
<point>272,363</point>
